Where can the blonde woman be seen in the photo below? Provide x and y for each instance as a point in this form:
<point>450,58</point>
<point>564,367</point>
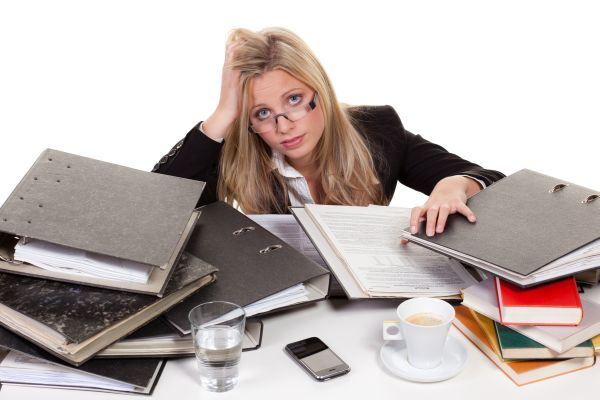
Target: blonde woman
<point>279,137</point>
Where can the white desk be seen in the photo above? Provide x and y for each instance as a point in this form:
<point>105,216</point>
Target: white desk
<point>353,330</point>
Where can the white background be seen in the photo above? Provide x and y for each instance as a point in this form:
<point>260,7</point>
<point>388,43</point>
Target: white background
<point>507,84</point>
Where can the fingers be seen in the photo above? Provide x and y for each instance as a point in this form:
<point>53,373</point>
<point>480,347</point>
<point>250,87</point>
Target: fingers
<point>466,211</point>
<point>230,50</point>
<point>432,215</point>
<point>416,216</point>
<point>437,217</point>
<point>442,217</point>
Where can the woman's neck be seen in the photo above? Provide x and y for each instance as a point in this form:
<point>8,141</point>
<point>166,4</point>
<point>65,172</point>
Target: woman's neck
<point>308,169</point>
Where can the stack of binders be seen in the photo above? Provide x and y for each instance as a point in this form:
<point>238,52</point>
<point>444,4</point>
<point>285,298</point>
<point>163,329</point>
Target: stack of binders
<point>86,212</point>
<point>92,253</point>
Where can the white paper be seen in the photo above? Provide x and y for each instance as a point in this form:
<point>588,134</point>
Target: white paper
<point>367,239</point>
<point>286,228</point>
<point>63,259</point>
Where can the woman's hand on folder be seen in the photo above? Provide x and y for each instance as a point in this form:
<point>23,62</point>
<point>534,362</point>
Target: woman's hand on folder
<point>449,196</point>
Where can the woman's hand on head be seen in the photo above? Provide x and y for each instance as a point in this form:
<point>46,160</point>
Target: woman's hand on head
<point>228,109</point>
<point>449,196</point>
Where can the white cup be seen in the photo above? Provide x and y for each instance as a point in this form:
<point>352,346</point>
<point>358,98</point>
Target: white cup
<point>423,324</point>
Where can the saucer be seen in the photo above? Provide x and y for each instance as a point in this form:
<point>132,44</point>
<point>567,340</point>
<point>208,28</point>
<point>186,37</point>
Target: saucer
<point>395,358</point>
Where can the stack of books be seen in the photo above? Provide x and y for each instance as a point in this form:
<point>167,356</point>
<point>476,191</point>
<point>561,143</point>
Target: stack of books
<point>530,333</point>
<point>99,261</point>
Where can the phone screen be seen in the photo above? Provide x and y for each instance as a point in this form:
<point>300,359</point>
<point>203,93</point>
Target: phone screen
<point>318,358</point>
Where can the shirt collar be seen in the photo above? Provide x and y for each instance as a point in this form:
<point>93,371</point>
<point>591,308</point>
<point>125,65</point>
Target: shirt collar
<point>286,170</point>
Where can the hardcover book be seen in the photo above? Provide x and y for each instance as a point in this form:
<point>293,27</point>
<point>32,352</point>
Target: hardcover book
<point>552,303</point>
<point>514,345</point>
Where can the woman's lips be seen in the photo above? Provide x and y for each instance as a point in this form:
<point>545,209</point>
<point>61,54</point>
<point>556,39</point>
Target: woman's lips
<point>293,142</point>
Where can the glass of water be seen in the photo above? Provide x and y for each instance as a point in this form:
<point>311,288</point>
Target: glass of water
<point>217,331</point>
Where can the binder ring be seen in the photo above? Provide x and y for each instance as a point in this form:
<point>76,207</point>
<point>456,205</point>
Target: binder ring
<point>558,187</point>
<point>271,248</point>
<point>590,198</point>
<point>243,230</point>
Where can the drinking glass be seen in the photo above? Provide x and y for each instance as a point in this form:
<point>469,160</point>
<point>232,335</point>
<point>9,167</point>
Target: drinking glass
<point>217,332</point>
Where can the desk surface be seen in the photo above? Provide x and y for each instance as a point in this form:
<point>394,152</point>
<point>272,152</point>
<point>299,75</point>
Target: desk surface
<point>353,331</point>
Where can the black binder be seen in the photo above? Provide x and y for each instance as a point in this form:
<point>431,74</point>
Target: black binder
<point>252,263</point>
<point>530,228</point>
<point>101,208</point>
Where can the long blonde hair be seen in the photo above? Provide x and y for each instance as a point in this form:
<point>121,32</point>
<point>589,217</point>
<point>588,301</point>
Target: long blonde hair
<point>343,161</point>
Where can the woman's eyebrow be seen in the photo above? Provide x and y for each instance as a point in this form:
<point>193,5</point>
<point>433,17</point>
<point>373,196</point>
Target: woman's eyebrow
<point>283,95</point>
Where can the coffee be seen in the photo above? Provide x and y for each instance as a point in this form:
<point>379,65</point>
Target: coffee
<point>425,319</point>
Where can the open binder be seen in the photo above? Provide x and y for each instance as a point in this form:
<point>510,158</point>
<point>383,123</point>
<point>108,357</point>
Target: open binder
<point>253,263</point>
<point>104,209</point>
<point>530,228</point>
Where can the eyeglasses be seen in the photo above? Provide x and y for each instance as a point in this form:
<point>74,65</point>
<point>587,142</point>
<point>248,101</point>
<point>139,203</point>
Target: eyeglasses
<point>269,123</point>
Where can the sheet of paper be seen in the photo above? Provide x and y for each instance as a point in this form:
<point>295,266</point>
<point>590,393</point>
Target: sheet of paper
<point>286,228</point>
<point>368,240</point>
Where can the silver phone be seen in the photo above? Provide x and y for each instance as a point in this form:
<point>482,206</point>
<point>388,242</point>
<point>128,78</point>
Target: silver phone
<point>317,359</point>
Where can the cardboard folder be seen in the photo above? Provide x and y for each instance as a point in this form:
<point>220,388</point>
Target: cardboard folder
<point>253,263</point>
<point>101,208</point>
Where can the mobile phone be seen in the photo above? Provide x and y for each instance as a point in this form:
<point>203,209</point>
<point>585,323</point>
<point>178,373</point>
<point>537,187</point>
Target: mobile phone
<point>317,359</point>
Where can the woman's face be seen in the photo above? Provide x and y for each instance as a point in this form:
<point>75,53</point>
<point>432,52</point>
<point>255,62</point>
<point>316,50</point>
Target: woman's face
<point>277,92</point>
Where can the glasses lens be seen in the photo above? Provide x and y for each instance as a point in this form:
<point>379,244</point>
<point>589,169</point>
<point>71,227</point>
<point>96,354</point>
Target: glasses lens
<point>293,115</point>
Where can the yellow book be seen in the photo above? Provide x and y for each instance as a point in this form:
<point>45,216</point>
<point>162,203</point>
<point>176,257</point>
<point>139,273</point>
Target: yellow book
<point>596,343</point>
<point>487,326</point>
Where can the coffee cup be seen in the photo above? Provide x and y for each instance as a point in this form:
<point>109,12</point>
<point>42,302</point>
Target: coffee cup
<point>423,325</point>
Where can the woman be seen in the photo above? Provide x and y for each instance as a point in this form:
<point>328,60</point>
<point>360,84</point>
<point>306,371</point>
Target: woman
<point>279,137</point>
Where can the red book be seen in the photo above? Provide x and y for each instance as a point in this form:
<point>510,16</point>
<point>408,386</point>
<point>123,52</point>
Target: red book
<point>554,303</point>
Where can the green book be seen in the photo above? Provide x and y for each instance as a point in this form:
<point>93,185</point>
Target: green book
<point>516,346</point>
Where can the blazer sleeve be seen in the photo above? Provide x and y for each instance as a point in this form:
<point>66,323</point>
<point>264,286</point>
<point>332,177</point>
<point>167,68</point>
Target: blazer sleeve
<point>197,157</point>
<point>401,156</point>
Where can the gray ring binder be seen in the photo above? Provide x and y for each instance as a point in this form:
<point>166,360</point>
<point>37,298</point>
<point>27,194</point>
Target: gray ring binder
<point>558,187</point>
<point>243,230</point>
<point>590,198</point>
<point>270,248</point>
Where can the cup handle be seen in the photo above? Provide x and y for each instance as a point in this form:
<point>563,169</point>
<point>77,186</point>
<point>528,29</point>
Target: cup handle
<point>391,330</point>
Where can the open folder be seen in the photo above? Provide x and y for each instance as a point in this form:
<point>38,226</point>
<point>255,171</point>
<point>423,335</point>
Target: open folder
<point>101,209</point>
<point>531,228</point>
<point>253,265</point>
<point>362,247</point>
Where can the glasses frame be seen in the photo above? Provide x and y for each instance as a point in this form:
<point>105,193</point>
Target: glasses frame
<point>312,104</point>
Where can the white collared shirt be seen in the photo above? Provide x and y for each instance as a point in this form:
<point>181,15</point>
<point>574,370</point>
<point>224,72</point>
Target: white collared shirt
<point>298,190</point>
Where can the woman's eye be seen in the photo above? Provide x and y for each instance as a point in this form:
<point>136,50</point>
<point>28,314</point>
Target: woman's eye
<point>295,99</point>
<point>262,114</point>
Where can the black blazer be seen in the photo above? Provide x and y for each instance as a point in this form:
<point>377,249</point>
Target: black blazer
<point>399,156</point>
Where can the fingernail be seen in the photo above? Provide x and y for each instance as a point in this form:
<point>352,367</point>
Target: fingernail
<point>429,233</point>
<point>413,229</point>
<point>472,218</point>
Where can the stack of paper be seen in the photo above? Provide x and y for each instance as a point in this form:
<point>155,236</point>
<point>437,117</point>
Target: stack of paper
<point>53,257</point>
